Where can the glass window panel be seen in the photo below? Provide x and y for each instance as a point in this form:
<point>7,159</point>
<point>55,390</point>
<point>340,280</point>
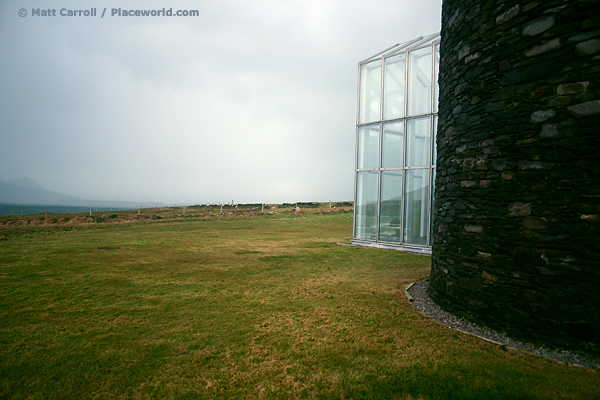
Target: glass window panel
<point>419,81</point>
<point>436,89</point>
<point>393,145</point>
<point>416,206</point>
<point>391,203</point>
<point>370,92</point>
<point>435,122</point>
<point>432,209</point>
<point>393,98</point>
<point>418,142</point>
<point>368,147</point>
<point>365,207</point>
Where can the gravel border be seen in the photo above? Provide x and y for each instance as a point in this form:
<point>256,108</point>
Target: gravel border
<point>417,293</point>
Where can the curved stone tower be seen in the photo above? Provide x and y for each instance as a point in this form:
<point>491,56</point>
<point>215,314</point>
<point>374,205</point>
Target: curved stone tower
<point>517,203</point>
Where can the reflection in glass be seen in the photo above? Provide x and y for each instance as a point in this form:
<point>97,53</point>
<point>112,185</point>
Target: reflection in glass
<point>365,208</point>
<point>416,206</point>
<point>370,92</point>
<point>368,147</point>
<point>435,123</point>
<point>436,89</point>
<point>391,202</point>
<point>418,142</point>
<point>419,81</point>
<point>393,100</point>
<point>393,145</point>
<point>432,205</point>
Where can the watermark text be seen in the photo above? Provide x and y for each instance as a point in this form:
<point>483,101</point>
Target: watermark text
<point>114,12</point>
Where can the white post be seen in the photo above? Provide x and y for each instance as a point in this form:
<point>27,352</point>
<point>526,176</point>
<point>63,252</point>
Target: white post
<point>263,207</point>
<point>90,212</point>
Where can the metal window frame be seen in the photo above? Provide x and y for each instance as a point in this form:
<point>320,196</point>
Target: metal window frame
<point>430,41</point>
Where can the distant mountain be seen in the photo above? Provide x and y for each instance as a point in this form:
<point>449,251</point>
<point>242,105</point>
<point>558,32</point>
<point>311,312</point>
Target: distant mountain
<point>28,191</point>
<point>25,183</point>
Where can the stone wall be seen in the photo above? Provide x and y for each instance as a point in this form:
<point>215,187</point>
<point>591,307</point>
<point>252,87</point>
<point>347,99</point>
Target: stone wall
<point>517,202</point>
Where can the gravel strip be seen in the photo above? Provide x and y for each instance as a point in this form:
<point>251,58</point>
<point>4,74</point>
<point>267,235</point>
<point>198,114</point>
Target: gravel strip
<point>423,303</point>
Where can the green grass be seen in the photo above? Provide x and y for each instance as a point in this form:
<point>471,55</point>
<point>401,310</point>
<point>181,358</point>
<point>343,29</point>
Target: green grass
<point>256,307</point>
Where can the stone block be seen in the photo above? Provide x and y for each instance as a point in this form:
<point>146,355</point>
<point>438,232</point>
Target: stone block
<point>471,57</point>
<point>481,165</point>
<point>466,248</point>
<point>549,46</point>
<point>560,101</point>
<point>492,107</point>
<point>504,93</point>
<point>535,224</point>
<point>463,52</point>
<point>476,175</point>
<point>593,218</point>
<point>541,116</point>
<point>459,89</point>
<point>473,72</point>
<point>508,15</point>
<point>580,37</point>
<point>484,257</point>
<point>534,166</point>
<point>474,228</point>
<point>572,88</point>
<point>584,97</point>
<point>472,284</point>
<point>588,47</point>
<point>589,109</point>
<point>511,78</point>
<point>538,26</point>
<point>508,176</point>
<point>519,209</point>
<point>541,92</point>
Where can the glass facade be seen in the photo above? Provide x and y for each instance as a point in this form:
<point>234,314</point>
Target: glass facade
<point>395,146</point>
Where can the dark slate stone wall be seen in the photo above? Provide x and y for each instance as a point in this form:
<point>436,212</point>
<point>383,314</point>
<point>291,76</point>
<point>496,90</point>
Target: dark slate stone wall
<point>517,202</point>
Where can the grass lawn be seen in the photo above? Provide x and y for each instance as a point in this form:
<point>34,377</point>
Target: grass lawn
<point>259,307</point>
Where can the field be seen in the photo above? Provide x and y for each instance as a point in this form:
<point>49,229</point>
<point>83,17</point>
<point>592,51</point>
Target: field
<point>237,306</point>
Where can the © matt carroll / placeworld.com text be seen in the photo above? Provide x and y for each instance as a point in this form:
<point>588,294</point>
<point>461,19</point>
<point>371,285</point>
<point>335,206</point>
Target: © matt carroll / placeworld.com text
<point>114,12</point>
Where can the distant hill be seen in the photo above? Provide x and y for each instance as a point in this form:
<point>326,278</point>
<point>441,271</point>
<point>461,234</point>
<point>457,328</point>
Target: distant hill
<point>28,191</point>
<point>25,183</point>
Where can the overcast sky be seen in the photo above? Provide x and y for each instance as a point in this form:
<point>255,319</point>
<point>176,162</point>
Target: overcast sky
<point>251,101</point>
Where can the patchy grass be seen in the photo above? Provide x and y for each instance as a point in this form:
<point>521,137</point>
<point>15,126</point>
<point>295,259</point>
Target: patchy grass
<point>238,308</point>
